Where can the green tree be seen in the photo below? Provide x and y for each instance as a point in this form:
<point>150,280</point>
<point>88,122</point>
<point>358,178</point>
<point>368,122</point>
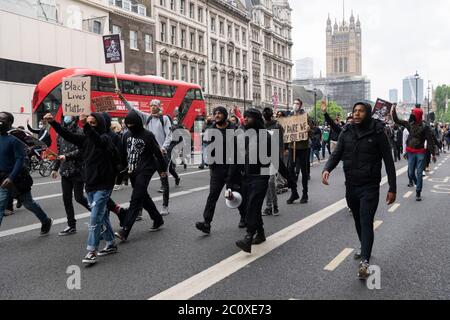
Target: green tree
<point>442,94</point>
<point>332,109</point>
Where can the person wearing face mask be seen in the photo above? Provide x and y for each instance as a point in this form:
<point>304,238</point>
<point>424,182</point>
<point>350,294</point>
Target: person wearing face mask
<point>362,146</point>
<point>99,172</point>
<point>221,173</point>
<point>299,153</point>
<point>15,179</point>
<point>416,151</point>
<point>144,158</point>
<point>70,164</point>
<point>159,125</point>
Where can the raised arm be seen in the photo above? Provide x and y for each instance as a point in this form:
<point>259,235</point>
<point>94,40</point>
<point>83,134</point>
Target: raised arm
<point>386,153</point>
<point>37,131</point>
<point>334,127</point>
<point>129,107</point>
<point>398,121</point>
<point>76,139</point>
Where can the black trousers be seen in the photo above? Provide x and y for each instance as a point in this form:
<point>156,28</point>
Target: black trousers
<point>301,162</point>
<point>254,191</point>
<point>165,182</point>
<point>325,145</point>
<point>140,199</point>
<point>73,187</point>
<point>363,201</point>
<point>218,175</point>
<point>397,152</point>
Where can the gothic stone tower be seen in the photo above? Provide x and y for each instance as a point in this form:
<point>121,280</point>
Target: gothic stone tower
<point>344,54</point>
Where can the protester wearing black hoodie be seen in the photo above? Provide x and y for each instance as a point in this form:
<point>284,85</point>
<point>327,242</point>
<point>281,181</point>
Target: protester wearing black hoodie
<point>255,178</point>
<point>99,176</point>
<point>362,146</point>
<point>144,158</point>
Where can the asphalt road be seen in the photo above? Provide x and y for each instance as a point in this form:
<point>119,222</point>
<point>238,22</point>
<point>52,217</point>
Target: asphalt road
<point>178,262</point>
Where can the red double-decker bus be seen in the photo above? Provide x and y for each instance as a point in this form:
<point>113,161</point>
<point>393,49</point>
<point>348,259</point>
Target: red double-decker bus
<point>138,90</point>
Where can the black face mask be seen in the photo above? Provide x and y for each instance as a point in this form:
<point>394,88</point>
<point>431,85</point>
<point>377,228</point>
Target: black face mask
<point>134,129</point>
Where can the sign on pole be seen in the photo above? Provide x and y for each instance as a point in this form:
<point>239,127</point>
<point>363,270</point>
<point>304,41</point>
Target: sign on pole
<point>111,45</point>
<point>382,110</point>
<point>76,96</point>
<point>104,104</point>
<point>113,52</point>
<point>295,128</point>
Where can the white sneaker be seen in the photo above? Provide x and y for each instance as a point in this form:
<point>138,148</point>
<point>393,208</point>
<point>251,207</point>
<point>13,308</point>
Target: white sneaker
<point>165,211</point>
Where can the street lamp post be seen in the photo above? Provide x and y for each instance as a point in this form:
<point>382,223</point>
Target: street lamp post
<point>416,76</point>
<point>245,77</point>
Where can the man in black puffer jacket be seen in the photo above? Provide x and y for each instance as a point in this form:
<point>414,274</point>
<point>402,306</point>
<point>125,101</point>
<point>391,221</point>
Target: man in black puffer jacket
<point>362,145</point>
<point>70,165</point>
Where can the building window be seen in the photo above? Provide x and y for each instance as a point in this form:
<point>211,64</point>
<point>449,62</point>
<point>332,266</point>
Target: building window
<point>163,32</point>
<point>183,72</point>
<point>345,65</point>
<point>164,69</point>
<point>244,61</point>
<point>200,15</point>
<point>236,31</point>
<point>238,89</point>
<point>193,75</point>
<point>174,71</point>
<point>214,84</point>
<point>191,10</point>
<point>230,57</point>
<point>133,40</point>
<point>172,5</point>
<point>222,54</point>
<point>244,37</point>
<point>341,67</point>
<point>222,28</point>
<point>192,41</point>
<point>142,10</point>
<point>183,38</point>
<point>148,43</point>
<point>201,75</point>
<point>162,3</point>
<point>200,44</point>
<point>97,27</point>
<point>230,32</point>
<point>182,6</point>
<point>173,35</point>
<point>213,51</point>
<point>230,88</point>
<point>116,30</point>
<point>238,60</point>
<point>126,5</point>
<point>213,24</point>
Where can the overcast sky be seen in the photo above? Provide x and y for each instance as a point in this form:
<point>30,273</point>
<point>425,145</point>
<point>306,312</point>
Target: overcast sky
<point>399,37</point>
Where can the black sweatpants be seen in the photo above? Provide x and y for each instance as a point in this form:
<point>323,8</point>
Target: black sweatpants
<point>254,192</point>
<point>218,174</point>
<point>73,187</point>
<point>363,201</point>
<point>301,162</point>
<point>140,199</point>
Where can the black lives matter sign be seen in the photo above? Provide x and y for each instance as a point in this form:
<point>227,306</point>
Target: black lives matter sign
<point>111,46</point>
<point>76,96</point>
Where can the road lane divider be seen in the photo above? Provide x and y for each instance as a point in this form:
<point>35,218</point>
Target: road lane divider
<point>377,224</point>
<point>394,207</point>
<point>338,260</point>
<point>408,194</point>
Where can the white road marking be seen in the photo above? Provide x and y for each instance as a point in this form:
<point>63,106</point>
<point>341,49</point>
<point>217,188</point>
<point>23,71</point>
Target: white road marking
<point>425,178</point>
<point>394,207</point>
<point>377,224</point>
<point>31,227</point>
<point>57,195</point>
<point>408,194</point>
<point>207,278</point>
<point>431,172</point>
<point>338,260</point>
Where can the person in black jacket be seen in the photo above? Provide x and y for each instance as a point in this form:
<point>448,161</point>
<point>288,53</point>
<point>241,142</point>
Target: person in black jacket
<point>99,176</point>
<point>144,158</point>
<point>69,164</point>
<point>255,180</point>
<point>220,170</point>
<point>362,145</point>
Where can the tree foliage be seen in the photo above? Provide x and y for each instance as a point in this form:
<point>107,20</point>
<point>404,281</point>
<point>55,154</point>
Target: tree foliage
<point>333,110</point>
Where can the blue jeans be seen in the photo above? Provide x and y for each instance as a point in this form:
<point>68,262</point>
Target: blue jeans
<point>416,165</point>
<point>99,217</point>
<point>28,203</point>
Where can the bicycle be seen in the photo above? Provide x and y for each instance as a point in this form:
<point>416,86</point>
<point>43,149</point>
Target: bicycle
<point>44,164</point>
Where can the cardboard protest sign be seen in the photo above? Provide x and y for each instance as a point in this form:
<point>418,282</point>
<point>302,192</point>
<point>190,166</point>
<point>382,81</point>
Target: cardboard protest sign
<point>76,96</point>
<point>104,104</point>
<point>382,110</point>
<point>295,128</point>
<point>111,46</point>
